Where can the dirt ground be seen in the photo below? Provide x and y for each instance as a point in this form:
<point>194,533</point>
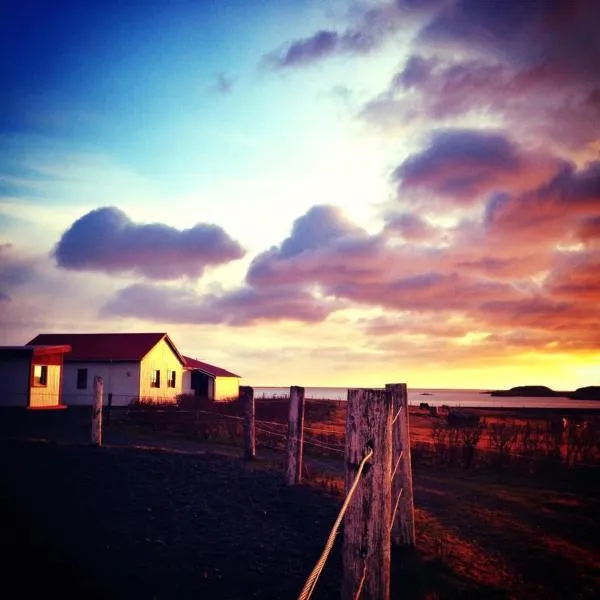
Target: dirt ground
<point>162,518</point>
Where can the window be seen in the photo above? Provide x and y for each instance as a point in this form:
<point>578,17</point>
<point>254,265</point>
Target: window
<point>40,375</point>
<point>155,382</point>
<point>172,379</point>
<point>82,379</point>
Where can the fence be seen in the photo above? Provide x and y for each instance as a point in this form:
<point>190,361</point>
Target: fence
<point>378,506</point>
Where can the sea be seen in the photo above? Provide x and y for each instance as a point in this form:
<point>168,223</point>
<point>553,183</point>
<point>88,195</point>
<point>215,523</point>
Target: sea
<point>437,397</point>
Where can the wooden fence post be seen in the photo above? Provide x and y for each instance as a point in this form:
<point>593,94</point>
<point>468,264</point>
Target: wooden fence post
<point>403,526</point>
<point>295,437</point>
<point>366,551</point>
<point>97,411</point>
<point>247,393</point>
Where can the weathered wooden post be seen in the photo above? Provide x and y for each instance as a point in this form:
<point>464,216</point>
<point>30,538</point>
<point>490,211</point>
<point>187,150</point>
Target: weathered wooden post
<point>295,437</point>
<point>247,395</point>
<point>403,510</point>
<point>366,552</point>
<point>97,411</point>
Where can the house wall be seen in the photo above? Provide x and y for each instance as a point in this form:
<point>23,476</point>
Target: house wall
<point>226,388</point>
<point>14,381</point>
<point>121,379</point>
<point>161,358</point>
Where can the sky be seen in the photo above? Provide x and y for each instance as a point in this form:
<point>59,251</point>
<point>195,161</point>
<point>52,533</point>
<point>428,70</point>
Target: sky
<point>309,192</point>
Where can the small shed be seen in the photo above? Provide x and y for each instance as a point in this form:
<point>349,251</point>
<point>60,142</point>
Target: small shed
<point>32,376</point>
<point>208,381</point>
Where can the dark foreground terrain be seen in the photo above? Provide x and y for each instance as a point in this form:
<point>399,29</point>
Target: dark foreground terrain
<point>155,517</point>
<point>128,523</point>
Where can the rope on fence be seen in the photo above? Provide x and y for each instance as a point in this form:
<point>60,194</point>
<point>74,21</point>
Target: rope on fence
<point>397,465</point>
<point>395,509</point>
<point>311,582</point>
<point>397,415</point>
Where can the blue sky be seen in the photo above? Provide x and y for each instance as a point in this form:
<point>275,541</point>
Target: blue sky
<point>266,181</point>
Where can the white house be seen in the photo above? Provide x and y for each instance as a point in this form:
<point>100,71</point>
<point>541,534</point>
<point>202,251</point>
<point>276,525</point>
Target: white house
<point>147,366</point>
<point>31,376</point>
<point>204,380</point>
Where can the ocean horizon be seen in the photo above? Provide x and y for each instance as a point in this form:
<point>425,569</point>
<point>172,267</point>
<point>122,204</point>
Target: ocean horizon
<point>437,396</point>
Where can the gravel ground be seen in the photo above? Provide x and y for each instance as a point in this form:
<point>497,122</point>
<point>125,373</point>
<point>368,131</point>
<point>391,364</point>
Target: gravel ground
<point>131,523</point>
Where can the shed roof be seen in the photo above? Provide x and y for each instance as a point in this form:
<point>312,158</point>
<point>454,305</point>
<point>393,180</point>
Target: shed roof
<point>104,347</point>
<point>192,363</point>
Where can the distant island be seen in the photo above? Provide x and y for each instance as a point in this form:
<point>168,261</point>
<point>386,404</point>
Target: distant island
<point>591,392</point>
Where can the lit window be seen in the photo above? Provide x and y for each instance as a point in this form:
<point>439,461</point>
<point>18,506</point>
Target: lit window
<point>40,375</point>
<point>155,382</point>
<point>172,379</point>
<point>82,379</point>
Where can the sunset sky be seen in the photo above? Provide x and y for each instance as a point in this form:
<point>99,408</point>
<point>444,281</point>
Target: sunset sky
<point>309,192</point>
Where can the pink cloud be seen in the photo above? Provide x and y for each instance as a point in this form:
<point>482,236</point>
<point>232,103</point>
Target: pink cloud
<point>244,306</point>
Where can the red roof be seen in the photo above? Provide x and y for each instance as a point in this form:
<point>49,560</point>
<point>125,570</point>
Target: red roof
<point>192,363</point>
<point>105,346</point>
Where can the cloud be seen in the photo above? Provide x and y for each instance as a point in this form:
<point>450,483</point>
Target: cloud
<point>465,164</point>
<point>305,51</point>
<point>368,30</point>
<point>589,230</point>
<point>413,228</point>
<point>323,245</point>
<point>15,271</point>
<point>561,32</point>
<point>528,66</point>
<point>576,277</point>
<point>556,211</point>
<point>245,306</point>
<point>106,240</point>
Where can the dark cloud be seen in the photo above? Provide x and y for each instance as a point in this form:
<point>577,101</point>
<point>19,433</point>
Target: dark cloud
<point>465,164</point>
<point>245,306</point>
<point>106,240</point>
<point>560,32</point>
